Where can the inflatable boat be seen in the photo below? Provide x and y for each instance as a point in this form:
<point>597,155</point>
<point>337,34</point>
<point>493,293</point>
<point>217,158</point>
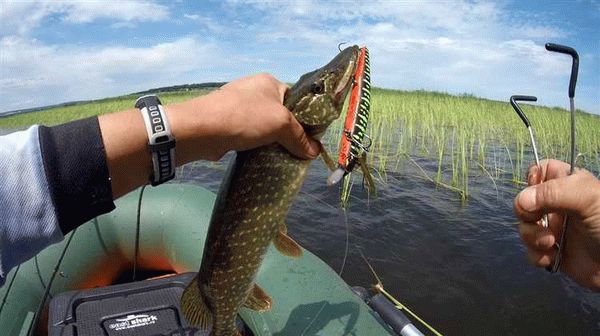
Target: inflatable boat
<point>95,282</point>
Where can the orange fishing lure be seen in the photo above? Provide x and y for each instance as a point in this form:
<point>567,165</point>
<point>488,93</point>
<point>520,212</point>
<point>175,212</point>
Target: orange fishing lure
<point>357,117</point>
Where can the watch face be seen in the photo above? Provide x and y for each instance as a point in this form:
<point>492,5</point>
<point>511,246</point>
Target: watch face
<point>160,140</point>
<point>157,121</point>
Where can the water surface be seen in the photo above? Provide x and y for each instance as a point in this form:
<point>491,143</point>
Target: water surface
<point>461,267</point>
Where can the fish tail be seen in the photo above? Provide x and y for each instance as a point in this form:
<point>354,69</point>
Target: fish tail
<point>193,307</point>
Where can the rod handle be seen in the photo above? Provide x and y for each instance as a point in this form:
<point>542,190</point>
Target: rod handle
<point>559,48</point>
<point>513,102</point>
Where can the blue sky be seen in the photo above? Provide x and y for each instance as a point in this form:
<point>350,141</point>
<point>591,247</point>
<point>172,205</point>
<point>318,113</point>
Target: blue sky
<point>58,51</point>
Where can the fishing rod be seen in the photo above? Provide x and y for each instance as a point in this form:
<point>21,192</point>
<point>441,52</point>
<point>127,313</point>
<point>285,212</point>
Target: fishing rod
<point>517,108</point>
<point>386,308</point>
<point>572,82</point>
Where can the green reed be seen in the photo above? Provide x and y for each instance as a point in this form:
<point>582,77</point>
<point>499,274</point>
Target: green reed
<point>470,136</point>
<point>465,136</point>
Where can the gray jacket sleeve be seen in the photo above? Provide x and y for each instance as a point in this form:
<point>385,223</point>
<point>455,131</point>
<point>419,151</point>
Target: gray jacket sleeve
<point>53,179</point>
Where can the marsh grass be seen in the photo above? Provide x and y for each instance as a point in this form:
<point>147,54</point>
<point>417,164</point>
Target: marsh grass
<point>468,136</point>
<point>464,135</point>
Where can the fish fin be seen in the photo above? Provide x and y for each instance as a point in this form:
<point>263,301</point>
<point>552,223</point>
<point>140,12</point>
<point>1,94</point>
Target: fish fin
<point>258,299</point>
<point>327,159</point>
<point>193,307</point>
<point>364,167</point>
<point>286,245</point>
<point>283,227</point>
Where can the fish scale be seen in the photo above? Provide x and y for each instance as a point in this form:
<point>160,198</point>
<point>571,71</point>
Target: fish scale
<point>252,203</point>
<point>247,227</point>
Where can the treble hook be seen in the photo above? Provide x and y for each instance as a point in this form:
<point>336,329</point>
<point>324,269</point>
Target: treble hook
<point>360,145</point>
<point>367,147</point>
<point>340,46</point>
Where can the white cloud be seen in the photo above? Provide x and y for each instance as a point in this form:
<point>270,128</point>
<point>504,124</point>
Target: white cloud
<point>206,22</point>
<point>42,74</point>
<point>20,18</point>
<point>459,47</point>
<point>140,11</point>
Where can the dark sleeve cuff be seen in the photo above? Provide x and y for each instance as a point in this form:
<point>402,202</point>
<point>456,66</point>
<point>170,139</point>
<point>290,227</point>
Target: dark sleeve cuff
<point>76,170</point>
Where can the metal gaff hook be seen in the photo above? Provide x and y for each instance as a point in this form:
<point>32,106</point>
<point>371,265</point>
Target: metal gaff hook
<point>340,46</point>
<point>572,82</point>
<point>517,108</point>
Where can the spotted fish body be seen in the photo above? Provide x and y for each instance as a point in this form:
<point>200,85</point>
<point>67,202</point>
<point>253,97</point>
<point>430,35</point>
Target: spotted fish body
<point>252,204</point>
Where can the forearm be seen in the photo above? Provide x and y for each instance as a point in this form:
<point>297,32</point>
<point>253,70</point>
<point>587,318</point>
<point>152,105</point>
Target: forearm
<point>82,166</point>
<point>126,147</point>
<point>126,141</point>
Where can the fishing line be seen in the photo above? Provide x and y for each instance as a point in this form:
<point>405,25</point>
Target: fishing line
<point>345,213</point>
<point>39,273</point>
<point>314,319</point>
<point>346,252</point>
<point>370,267</point>
<point>137,231</point>
<point>399,305</point>
<point>350,146</point>
<point>47,291</point>
<point>346,223</point>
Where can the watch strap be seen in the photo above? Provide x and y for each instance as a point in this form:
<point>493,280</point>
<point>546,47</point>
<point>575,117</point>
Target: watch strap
<point>160,139</point>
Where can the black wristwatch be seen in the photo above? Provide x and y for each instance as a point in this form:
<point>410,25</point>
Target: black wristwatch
<point>160,140</point>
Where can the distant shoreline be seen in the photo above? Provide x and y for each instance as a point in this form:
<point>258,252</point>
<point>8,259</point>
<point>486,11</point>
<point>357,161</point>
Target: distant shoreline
<point>174,88</point>
<point>215,85</point>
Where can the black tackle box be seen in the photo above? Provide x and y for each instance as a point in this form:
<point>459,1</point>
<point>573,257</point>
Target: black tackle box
<point>144,308</point>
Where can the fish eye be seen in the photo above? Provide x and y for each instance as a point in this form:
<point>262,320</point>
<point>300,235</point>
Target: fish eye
<point>316,88</point>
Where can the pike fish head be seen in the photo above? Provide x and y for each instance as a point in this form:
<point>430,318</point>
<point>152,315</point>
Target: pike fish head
<point>318,97</point>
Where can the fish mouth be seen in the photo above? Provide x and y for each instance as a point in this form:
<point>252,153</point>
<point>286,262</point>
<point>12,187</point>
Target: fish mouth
<point>345,64</point>
<point>343,86</point>
<point>350,63</point>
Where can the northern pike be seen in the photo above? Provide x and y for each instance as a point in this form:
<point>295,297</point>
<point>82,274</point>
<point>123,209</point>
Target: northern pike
<point>253,202</point>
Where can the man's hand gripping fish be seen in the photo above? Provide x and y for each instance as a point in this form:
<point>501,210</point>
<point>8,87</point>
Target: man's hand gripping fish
<point>253,202</point>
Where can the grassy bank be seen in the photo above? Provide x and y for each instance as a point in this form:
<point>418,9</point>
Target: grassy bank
<point>463,135</point>
<point>63,114</point>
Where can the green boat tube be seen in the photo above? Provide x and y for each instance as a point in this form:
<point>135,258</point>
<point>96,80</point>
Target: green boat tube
<point>309,297</point>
